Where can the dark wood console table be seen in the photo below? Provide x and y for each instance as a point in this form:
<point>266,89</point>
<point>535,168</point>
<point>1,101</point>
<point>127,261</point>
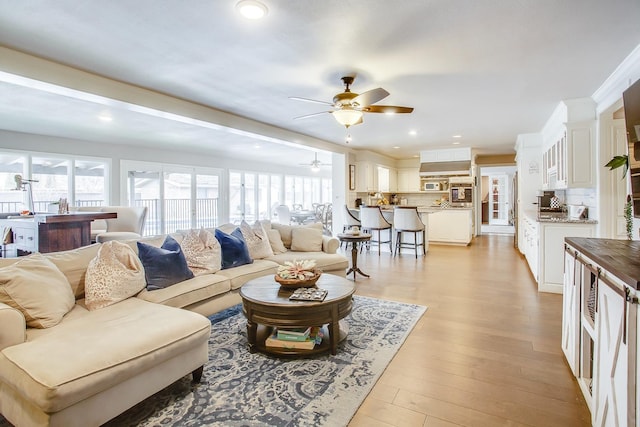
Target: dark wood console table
<point>53,232</point>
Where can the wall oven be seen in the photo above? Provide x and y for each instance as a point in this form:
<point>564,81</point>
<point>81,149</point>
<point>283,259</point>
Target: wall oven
<point>461,194</point>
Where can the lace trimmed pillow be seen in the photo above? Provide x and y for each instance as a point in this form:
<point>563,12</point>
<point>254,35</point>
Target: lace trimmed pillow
<point>202,251</point>
<point>114,275</point>
<point>256,239</point>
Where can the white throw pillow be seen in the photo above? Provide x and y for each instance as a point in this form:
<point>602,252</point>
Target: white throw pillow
<point>115,274</point>
<point>202,251</point>
<point>276,242</point>
<point>256,239</point>
<point>306,239</point>
<point>286,230</point>
<point>38,289</point>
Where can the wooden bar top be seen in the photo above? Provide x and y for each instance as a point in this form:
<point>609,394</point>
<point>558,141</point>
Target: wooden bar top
<point>620,257</point>
<point>73,217</point>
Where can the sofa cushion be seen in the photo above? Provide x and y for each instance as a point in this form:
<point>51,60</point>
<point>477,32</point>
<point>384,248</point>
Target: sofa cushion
<point>82,360</point>
<point>276,242</point>
<point>324,261</point>
<point>189,292</point>
<point>163,266</point>
<point>234,249</point>
<point>256,239</point>
<point>306,239</point>
<point>38,289</point>
<point>240,275</point>
<point>113,275</point>
<point>202,251</point>
<point>286,231</point>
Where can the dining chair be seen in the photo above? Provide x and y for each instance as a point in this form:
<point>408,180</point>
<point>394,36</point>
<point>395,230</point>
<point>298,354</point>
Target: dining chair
<point>284,214</point>
<point>129,224</point>
<point>372,220</point>
<point>407,220</point>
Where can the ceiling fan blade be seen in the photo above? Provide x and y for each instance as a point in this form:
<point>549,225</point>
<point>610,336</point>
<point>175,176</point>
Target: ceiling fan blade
<point>370,97</point>
<point>297,98</point>
<point>389,109</point>
<point>306,116</point>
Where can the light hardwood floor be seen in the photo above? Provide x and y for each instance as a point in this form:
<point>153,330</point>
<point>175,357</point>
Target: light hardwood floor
<point>487,351</point>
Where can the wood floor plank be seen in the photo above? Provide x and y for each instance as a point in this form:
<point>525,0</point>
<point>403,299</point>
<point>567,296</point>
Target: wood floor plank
<point>486,352</point>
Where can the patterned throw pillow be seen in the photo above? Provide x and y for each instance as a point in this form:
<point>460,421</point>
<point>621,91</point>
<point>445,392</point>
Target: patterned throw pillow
<point>38,289</point>
<point>234,249</point>
<point>256,239</point>
<point>202,251</point>
<point>163,266</point>
<point>114,275</point>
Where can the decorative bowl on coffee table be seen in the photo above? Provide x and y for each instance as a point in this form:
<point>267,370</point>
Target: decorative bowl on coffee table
<point>299,283</point>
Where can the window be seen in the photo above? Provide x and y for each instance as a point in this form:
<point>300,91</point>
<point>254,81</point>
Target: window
<point>82,181</point>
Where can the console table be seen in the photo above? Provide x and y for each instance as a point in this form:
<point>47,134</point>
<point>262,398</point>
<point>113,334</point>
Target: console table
<point>52,232</point>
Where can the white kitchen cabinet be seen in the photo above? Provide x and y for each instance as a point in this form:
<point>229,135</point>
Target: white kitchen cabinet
<point>602,337</point>
<point>531,237</point>
<point>451,226</point>
<point>408,179</point>
<point>568,161</point>
<point>571,309</point>
<point>383,179</point>
<point>366,177</point>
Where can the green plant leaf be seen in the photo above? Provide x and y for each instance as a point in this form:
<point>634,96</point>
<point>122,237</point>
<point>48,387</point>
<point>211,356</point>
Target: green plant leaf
<point>617,162</point>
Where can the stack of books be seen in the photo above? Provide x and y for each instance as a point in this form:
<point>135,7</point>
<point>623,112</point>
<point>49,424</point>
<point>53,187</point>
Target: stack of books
<point>290,338</point>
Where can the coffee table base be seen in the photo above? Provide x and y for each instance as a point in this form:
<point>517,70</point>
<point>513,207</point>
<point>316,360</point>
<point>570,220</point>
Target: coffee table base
<point>263,332</point>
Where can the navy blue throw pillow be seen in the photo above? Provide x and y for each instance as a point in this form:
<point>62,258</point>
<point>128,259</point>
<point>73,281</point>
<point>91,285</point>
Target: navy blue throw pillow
<point>163,266</point>
<point>234,249</point>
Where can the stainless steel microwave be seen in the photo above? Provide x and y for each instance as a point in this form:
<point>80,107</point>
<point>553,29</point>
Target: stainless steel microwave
<point>432,186</point>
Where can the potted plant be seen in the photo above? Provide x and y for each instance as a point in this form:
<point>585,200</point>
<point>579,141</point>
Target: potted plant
<point>615,163</point>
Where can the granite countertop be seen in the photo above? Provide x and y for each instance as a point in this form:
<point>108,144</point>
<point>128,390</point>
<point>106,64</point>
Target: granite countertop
<point>620,257</point>
<point>560,219</point>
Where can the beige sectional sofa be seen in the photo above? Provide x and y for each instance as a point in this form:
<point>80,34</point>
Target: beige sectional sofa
<point>94,365</point>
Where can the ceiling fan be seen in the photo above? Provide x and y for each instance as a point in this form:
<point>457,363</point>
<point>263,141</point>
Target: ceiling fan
<point>315,164</point>
<point>350,106</point>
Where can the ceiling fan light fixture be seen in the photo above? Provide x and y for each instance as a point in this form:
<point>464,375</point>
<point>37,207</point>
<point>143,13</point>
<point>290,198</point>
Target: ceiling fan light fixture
<point>315,167</point>
<point>347,116</point>
<point>252,9</point>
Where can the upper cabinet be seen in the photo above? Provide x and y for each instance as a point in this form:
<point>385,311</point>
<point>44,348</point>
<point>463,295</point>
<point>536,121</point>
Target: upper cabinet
<point>371,177</point>
<point>568,157</point>
<point>408,179</point>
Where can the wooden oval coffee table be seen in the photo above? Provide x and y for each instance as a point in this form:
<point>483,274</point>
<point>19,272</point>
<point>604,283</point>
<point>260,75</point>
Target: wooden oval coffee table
<point>266,305</point>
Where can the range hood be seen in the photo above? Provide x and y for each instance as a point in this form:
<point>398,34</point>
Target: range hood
<point>458,168</point>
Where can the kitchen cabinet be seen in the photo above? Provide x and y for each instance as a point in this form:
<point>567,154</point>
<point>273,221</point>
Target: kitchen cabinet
<point>544,243</point>
<point>408,179</point>
<point>600,326</point>
<point>366,177</point>
<point>568,161</point>
<point>451,226</point>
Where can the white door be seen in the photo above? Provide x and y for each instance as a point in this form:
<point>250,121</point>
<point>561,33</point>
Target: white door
<point>498,200</point>
<point>614,373</point>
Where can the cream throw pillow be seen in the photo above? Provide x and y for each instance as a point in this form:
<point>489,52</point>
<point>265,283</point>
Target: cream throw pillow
<point>115,274</point>
<point>38,289</point>
<point>286,230</point>
<point>202,251</point>
<point>276,242</point>
<point>256,239</point>
<point>306,239</point>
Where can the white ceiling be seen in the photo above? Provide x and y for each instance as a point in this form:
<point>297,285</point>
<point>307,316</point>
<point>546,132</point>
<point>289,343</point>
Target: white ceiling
<point>487,70</point>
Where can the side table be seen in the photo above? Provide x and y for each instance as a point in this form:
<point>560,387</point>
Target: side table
<point>354,239</point>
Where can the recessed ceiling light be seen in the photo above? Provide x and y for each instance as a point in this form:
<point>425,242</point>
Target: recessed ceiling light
<point>396,147</point>
<point>105,118</point>
<point>252,9</point>
<point>457,136</point>
<point>416,155</point>
<point>456,142</point>
<point>256,146</point>
<point>413,132</point>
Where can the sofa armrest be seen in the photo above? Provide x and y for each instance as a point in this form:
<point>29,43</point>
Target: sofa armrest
<point>14,326</point>
<point>330,244</point>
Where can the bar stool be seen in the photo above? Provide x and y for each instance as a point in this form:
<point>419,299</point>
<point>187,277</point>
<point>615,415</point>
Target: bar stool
<point>371,219</point>
<point>349,221</point>
<point>407,220</point>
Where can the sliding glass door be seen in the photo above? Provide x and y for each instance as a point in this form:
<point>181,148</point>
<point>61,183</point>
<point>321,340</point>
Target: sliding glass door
<point>177,198</point>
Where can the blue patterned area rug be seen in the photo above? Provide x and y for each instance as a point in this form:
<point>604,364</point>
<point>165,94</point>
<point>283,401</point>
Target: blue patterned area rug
<point>243,389</point>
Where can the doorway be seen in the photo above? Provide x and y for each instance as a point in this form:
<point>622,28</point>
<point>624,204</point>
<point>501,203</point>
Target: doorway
<point>497,194</point>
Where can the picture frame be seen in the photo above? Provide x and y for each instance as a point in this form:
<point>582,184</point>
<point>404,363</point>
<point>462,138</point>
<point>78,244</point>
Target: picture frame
<point>352,177</point>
